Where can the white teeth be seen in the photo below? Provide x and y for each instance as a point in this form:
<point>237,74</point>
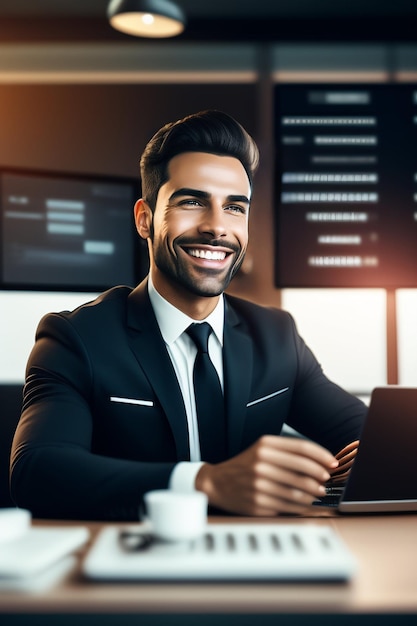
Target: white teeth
<point>209,255</point>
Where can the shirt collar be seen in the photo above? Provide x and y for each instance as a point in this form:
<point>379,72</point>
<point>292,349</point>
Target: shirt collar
<point>173,322</point>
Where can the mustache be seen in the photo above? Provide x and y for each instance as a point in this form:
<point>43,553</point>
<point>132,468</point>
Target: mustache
<point>205,241</point>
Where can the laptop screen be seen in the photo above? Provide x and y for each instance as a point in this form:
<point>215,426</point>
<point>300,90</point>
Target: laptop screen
<point>385,467</point>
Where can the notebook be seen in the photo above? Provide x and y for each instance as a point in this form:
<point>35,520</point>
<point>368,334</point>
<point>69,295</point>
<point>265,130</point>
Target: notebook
<point>383,477</point>
<point>39,557</point>
<point>226,552</point>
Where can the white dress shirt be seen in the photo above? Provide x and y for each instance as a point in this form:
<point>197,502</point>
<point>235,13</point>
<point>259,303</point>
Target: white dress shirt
<point>182,351</point>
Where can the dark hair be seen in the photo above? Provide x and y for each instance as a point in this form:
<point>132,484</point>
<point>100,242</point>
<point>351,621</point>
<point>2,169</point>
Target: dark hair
<point>210,131</point>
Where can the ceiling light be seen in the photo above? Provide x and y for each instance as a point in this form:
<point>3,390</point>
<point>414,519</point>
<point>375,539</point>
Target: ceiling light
<point>146,18</point>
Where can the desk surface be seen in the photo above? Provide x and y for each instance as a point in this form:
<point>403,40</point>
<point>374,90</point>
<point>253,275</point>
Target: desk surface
<point>385,547</point>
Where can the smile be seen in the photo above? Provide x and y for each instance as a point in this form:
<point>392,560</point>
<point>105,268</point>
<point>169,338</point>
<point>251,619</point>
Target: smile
<point>209,255</point>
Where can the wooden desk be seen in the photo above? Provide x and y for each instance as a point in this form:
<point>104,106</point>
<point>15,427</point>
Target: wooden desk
<point>385,547</point>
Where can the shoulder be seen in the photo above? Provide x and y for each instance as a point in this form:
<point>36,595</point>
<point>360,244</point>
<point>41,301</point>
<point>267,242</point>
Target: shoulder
<point>257,313</point>
<point>109,301</point>
<point>106,311</point>
<point>266,325</point>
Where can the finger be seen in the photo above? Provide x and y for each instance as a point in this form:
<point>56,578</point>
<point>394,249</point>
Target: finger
<point>347,459</point>
<point>302,448</point>
<point>345,466</point>
<point>279,460</point>
<point>339,478</point>
<point>289,486</point>
<point>267,505</point>
<point>347,449</point>
<point>343,472</point>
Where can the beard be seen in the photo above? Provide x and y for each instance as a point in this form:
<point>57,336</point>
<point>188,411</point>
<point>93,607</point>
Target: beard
<point>202,282</point>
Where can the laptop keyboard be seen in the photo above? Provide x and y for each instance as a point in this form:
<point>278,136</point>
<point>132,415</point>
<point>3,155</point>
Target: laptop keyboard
<point>226,552</point>
<point>332,497</point>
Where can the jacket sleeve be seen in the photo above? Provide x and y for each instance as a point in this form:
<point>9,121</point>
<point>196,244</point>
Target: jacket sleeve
<point>54,472</point>
<point>321,409</point>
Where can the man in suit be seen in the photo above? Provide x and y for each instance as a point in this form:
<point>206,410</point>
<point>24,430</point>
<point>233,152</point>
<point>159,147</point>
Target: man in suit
<point>110,407</point>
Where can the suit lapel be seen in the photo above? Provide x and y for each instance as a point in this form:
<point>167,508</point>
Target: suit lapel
<point>150,351</point>
<point>237,362</point>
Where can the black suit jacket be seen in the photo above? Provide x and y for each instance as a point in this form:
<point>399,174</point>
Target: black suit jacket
<point>103,417</point>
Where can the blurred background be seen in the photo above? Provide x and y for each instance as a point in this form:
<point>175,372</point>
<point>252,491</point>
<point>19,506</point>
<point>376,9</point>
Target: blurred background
<point>79,100</point>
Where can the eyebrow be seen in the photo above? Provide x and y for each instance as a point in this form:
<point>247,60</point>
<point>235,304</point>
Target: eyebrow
<point>204,195</point>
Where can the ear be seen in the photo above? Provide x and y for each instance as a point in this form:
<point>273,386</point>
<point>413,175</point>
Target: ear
<point>143,218</point>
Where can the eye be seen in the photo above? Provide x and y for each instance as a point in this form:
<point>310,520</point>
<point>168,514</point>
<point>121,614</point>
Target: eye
<point>236,208</point>
<point>190,202</point>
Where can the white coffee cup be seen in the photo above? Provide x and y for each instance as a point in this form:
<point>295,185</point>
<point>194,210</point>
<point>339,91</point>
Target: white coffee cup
<point>176,516</point>
<point>14,523</point>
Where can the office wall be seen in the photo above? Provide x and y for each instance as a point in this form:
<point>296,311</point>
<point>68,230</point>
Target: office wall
<point>92,108</point>
<point>407,336</point>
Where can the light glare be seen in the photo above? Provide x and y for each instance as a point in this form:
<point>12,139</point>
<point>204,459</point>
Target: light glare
<point>148,18</point>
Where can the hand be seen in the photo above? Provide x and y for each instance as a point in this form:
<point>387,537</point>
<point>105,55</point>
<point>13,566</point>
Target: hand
<point>346,456</point>
<point>275,475</point>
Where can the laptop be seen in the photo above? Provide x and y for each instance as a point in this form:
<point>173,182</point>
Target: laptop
<point>383,477</point>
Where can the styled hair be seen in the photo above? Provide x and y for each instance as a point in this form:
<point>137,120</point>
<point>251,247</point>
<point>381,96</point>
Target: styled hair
<point>208,131</point>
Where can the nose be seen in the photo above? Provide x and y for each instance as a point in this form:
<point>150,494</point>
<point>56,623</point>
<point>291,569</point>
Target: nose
<point>213,221</point>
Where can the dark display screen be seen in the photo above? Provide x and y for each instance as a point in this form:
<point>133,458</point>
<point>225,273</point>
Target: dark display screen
<point>346,185</point>
<point>67,232</point>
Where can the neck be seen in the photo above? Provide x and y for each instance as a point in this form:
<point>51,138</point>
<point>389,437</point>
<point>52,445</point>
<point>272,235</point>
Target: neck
<point>196,307</point>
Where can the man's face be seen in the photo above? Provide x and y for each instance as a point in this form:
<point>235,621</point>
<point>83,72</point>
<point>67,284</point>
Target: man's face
<point>200,225</point>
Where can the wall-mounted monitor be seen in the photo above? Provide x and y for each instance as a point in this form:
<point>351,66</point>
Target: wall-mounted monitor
<point>67,232</point>
<point>346,185</point>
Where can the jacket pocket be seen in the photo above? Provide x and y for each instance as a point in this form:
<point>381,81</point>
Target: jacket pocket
<point>131,401</point>
<point>268,397</point>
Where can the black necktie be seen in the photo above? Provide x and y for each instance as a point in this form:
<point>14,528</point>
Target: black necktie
<point>208,397</point>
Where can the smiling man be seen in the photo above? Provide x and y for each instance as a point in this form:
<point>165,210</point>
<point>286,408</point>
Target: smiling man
<point>198,235</point>
<point>123,396</point>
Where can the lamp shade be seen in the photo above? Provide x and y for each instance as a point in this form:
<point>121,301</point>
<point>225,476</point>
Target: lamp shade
<point>146,18</point>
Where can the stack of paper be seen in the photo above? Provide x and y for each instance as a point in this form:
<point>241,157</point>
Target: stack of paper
<point>35,558</point>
